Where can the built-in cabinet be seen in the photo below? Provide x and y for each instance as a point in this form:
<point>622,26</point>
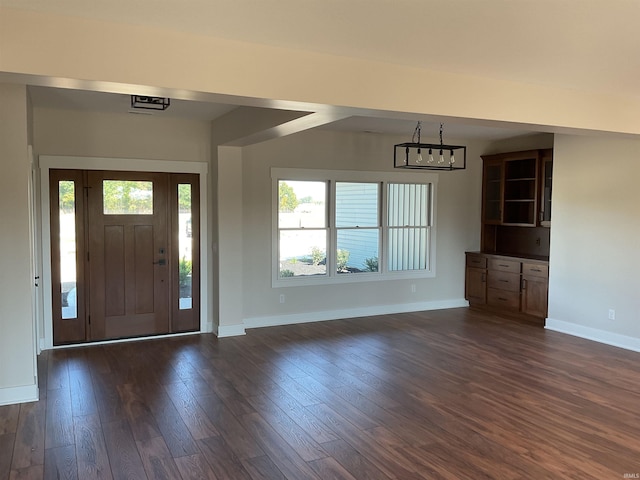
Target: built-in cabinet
<point>507,283</point>
<point>511,271</point>
<point>516,206</point>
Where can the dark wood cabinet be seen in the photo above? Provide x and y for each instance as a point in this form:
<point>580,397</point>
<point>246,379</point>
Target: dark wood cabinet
<point>511,271</point>
<point>535,288</point>
<point>516,203</point>
<point>492,192</point>
<point>546,176</point>
<point>507,283</point>
<point>476,279</point>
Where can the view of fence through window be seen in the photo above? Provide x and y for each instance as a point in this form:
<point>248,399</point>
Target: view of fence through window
<point>409,221</point>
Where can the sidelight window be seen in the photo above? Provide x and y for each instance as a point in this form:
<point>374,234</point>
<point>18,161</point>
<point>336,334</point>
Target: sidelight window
<point>68,247</point>
<point>185,246</point>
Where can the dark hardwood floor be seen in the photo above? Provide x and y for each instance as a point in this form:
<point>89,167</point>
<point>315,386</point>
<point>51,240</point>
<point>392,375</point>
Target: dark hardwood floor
<point>443,394</point>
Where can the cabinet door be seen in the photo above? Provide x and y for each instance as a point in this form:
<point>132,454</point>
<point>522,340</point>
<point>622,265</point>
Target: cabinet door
<point>476,286</point>
<point>534,295</point>
<point>520,191</point>
<point>546,176</point>
<point>492,192</point>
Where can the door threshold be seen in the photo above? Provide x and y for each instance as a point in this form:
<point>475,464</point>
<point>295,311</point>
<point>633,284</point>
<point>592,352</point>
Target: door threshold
<point>124,340</point>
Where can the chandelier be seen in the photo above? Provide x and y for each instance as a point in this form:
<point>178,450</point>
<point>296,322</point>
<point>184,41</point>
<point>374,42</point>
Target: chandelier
<point>429,156</point>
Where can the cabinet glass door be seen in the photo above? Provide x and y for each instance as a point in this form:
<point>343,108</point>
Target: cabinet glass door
<point>520,192</point>
<point>493,193</point>
<point>545,213</point>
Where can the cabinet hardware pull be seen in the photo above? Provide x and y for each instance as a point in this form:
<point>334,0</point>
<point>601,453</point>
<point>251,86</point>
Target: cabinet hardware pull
<point>536,270</point>
<point>524,284</point>
<point>504,281</point>
<point>503,299</point>
<point>502,265</point>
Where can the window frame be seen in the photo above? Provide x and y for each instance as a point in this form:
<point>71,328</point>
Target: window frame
<point>331,177</point>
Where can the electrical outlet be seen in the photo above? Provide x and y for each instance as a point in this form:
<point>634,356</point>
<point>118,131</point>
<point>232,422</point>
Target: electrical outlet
<point>282,298</point>
<point>612,314</point>
<point>413,288</point>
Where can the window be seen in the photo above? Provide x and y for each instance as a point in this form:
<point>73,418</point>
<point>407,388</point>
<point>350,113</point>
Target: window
<point>343,226</point>
<point>68,248</point>
<point>127,197</point>
<point>357,227</point>
<point>408,225</point>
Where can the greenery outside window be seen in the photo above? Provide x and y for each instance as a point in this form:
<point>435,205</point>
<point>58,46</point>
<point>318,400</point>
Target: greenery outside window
<point>345,226</point>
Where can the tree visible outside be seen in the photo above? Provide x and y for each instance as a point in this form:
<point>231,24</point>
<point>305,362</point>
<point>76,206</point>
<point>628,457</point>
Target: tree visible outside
<point>127,197</point>
<point>66,191</point>
<point>184,198</point>
<point>288,199</point>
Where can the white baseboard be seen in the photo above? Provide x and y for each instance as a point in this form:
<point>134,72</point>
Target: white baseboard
<point>11,395</point>
<point>275,320</point>
<point>230,330</point>
<point>597,335</point>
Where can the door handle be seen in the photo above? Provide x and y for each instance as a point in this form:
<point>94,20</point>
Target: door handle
<point>162,261</point>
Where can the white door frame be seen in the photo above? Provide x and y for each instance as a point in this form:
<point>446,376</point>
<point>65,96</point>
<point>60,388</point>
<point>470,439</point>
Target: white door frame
<point>48,162</point>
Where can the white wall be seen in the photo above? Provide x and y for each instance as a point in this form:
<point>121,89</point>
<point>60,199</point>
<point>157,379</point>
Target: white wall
<point>595,257</point>
<point>17,340</point>
<point>120,135</point>
<point>458,229</point>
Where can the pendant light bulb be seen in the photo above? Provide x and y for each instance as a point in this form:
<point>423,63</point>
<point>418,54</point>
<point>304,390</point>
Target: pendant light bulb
<point>419,159</point>
<point>441,158</point>
<point>430,160</point>
<point>452,160</point>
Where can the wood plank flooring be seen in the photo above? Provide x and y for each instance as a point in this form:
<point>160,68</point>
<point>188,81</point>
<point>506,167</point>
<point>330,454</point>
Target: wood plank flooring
<point>442,394</point>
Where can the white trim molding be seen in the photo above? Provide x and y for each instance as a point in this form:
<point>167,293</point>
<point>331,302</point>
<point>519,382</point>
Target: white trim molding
<point>275,320</point>
<point>230,330</point>
<point>23,394</point>
<point>595,334</point>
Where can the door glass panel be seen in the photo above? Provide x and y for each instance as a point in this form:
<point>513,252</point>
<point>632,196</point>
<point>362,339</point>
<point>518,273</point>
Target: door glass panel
<point>68,275</point>
<point>127,197</point>
<point>185,246</point>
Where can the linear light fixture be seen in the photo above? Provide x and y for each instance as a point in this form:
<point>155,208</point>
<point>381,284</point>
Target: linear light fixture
<point>412,154</point>
<point>150,103</point>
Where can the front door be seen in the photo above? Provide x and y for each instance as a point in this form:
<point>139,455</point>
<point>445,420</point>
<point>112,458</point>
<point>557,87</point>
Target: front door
<point>128,248</point>
<point>124,244</point>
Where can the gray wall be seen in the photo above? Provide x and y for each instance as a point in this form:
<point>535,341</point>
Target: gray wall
<point>595,257</point>
<point>17,337</point>
<point>458,227</point>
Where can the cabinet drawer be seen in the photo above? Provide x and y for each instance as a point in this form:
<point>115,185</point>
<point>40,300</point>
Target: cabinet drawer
<point>503,299</point>
<point>504,281</point>
<point>476,261</point>
<point>535,270</point>
<point>504,265</point>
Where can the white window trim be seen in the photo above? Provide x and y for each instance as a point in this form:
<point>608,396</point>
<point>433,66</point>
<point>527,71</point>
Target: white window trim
<point>302,174</point>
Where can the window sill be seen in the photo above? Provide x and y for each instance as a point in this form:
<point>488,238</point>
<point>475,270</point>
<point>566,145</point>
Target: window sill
<point>311,280</point>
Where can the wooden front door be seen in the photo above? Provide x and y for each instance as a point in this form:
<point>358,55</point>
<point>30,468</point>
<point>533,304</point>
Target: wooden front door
<point>128,254</point>
<point>125,254</point>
